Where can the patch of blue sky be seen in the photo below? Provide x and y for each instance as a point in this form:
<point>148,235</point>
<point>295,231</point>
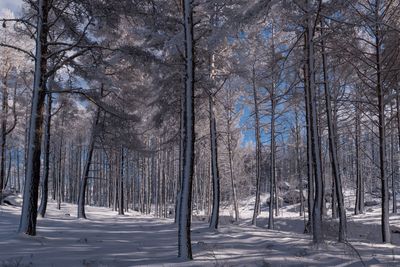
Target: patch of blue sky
<point>284,122</point>
<point>13,5</point>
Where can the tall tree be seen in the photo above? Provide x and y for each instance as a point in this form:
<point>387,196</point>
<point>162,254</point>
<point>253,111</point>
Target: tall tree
<point>121,183</point>
<point>258,147</point>
<point>46,160</point>
<point>86,169</point>
<point>315,144</point>
<point>333,147</point>
<point>359,204</point>
<point>214,164</point>
<point>185,207</point>
<point>29,209</point>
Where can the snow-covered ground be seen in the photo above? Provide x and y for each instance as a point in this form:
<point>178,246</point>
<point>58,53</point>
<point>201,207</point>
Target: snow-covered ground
<point>106,239</point>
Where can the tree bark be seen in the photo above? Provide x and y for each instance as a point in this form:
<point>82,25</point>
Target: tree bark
<point>185,209</point>
<point>121,185</point>
<point>4,110</point>
<point>258,152</point>
<point>272,185</point>
<point>29,208</point>
<point>60,165</point>
<point>315,145</point>
<point>359,208</point>
<point>181,152</point>
<point>385,228</point>
<point>333,150</point>
<point>310,173</point>
<point>86,169</point>
<point>298,166</point>
<point>230,155</point>
<point>398,134</point>
<point>393,164</point>
<point>214,166</point>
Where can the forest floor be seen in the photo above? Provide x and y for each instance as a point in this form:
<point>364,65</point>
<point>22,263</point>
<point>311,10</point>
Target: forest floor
<point>106,239</point>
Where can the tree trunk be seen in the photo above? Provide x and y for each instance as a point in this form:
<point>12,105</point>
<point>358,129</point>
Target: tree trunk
<point>121,185</point>
<point>393,164</point>
<point>185,209</point>
<point>315,145</point>
<point>258,152</point>
<point>382,135</point>
<point>29,208</point>
<point>86,169</point>
<point>359,208</point>
<point>4,110</point>
<point>298,164</point>
<point>333,150</point>
<point>310,173</point>
<point>272,184</point>
<point>214,166</point>
<point>233,185</point>
<point>398,134</point>
<point>334,204</point>
<point>181,152</point>
<point>60,165</point>
<point>18,172</point>
<point>8,170</point>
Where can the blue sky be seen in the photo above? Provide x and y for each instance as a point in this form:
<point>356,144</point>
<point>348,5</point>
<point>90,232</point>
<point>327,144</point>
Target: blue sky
<point>14,5</point>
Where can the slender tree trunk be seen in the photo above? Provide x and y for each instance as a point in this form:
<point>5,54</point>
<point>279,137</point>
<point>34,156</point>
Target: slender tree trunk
<point>79,172</point>
<point>310,172</point>
<point>185,209</point>
<point>233,185</point>
<point>86,169</point>
<point>398,134</point>
<point>214,166</point>
<point>18,172</point>
<point>114,174</point>
<point>258,153</point>
<point>29,208</point>
<point>298,164</point>
<point>315,145</point>
<point>158,181</point>
<point>149,183</point>
<point>60,165</point>
<point>272,184</point>
<point>359,208</point>
<point>4,110</point>
<point>54,178</point>
<point>382,134</point>
<point>333,150</point>
<point>334,204</point>
<point>165,163</point>
<point>142,186</point>
<point>8,170</point>
<point>274,193</point>
<point>121,185</point>
<point>393,163</point>
<point>181,152</point>
<point>213,136</point>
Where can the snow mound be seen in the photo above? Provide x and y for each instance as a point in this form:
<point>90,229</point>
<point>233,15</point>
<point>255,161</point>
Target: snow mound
<point>13,200</point>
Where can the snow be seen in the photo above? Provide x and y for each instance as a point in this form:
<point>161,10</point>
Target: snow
<point>14,200</point>
<point>106,239</point>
